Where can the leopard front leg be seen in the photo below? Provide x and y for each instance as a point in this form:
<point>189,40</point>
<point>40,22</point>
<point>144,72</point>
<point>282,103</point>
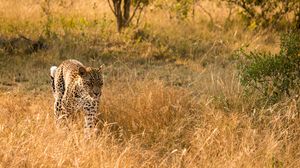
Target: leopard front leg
<point>90,108</point>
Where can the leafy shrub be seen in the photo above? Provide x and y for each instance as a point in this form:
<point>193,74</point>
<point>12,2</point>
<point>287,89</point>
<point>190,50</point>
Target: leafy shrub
<point>268,12</point>
<point>182,8</point>
<point>274,75</point>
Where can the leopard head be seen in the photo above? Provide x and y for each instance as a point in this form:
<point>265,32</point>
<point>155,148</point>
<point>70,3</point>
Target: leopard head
<point>92,80</point>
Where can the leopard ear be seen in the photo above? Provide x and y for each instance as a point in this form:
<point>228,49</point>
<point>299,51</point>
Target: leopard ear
<point>82,71</point>
<point>101,67</point>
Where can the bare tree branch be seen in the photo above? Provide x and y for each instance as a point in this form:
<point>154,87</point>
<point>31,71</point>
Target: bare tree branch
<point>134,12</point>
<point>139,15</point>
<point>110,6</point>
<point>205,11</point>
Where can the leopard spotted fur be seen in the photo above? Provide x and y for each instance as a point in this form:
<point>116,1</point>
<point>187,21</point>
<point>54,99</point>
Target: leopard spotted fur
<point>76,87</point>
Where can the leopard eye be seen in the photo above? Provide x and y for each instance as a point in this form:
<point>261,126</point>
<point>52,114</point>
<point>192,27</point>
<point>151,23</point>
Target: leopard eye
<point>89,83</point>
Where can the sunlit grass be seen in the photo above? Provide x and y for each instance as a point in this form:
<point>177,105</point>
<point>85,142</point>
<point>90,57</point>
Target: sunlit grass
<point>153,126</point>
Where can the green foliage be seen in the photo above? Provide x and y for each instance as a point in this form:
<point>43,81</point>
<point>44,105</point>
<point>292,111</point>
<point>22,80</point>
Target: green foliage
<point>46,8</point>
<point>266,13</point>
<point>274,75</point>
<point>182,8</point>
<point>143,2</point>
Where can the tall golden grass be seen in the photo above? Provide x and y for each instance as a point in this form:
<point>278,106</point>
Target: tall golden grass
<point>147,124</point>
<point>172,111</point>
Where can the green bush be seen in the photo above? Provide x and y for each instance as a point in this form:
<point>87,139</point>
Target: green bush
<point>273,75</point>
<point>267,13</point>
<point>182,8</point>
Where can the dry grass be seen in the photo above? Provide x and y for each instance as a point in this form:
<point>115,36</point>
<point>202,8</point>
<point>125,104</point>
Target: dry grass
<point>172,99</point>
<point>148,124</point>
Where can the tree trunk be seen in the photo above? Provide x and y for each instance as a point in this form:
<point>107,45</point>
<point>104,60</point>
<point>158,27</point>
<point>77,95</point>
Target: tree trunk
<point>122,14</point>
<point>118,13</point>
<point>126,10</point>
<point>297,20</point>
<point>119,22</point>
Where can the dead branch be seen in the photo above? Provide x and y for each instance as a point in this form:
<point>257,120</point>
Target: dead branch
<point>110,6</point>
<point>134,12</point>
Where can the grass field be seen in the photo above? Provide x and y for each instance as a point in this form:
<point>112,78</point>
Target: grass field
<point>171,97</point>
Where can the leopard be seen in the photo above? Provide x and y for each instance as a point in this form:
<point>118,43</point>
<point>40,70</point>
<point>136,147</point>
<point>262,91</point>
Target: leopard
<point>76,87</point>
